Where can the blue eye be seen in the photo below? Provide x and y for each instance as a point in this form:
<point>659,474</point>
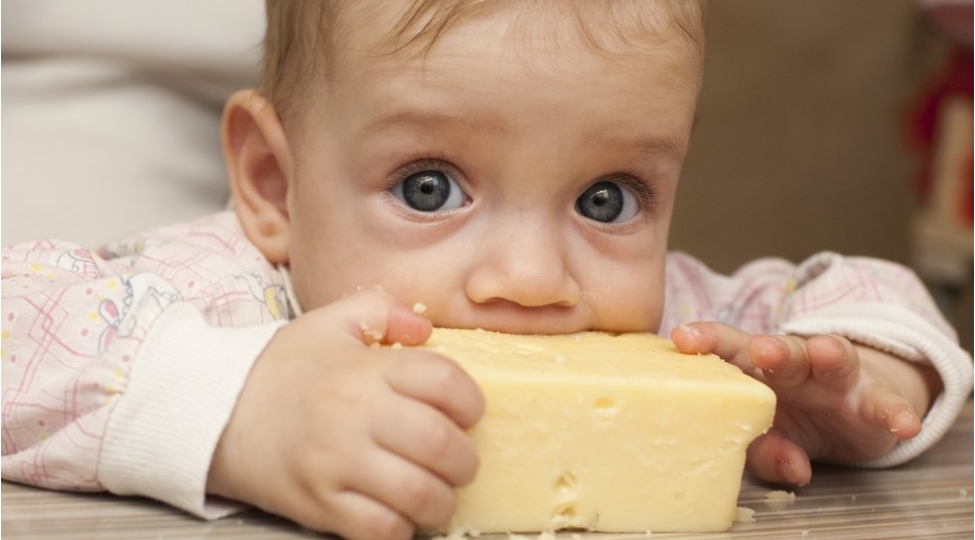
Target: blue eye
<point>607,202</point>
<point>430,191</point>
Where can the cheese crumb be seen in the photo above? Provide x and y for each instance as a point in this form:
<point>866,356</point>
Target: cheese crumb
<point>375,335</point>
<point>779,495</point>
<point>745,515</point>
<point>419,308</point>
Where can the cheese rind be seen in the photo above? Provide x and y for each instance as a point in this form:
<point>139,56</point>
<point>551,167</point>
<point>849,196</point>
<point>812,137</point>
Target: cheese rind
<point>604,433</point>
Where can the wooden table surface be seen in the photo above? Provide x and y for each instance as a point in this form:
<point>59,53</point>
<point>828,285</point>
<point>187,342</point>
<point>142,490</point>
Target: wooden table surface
<point>930,498</point>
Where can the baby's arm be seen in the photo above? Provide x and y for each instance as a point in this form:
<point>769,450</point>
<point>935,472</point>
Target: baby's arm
<point>165,369</point>
<point>119,372</point>
<point>897,358</point>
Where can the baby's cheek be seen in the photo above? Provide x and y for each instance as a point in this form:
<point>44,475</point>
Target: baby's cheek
<point>634,311</point>
<point>638,303</point>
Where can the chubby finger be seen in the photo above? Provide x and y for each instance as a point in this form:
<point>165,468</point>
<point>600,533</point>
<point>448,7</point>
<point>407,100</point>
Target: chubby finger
<point>372,316</point>
<point>730,344</point>
<point>406,488</point>
<point>782,359</point>
<point>893,414</point>
<point>774,458</point>
<point>425,436</point>
<point>361,517</point>
<point>834,360</point>
<point>437,381</point>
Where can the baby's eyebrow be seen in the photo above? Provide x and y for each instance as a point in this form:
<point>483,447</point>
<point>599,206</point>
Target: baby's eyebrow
<point>427,119</point>
<point>413,118</point>
<point>654,146</point>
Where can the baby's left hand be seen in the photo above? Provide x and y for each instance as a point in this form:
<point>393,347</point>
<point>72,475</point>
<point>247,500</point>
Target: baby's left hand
<point>837,402</point>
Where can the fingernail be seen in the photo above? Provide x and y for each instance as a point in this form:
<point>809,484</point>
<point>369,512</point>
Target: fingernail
<point>786,471</point>
<point>690,330</point>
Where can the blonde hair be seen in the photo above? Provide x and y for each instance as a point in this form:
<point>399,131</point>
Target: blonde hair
<point>303,36</point>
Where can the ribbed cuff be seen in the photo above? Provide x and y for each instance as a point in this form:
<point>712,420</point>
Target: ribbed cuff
<point>183,387</point>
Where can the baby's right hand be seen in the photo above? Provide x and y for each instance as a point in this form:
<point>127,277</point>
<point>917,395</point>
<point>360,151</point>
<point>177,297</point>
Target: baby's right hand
<point>341,437</point>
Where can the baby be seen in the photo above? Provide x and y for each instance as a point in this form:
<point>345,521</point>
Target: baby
<point>511,166</point>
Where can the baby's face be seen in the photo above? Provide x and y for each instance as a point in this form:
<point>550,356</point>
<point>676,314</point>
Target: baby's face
<point>507,184</point>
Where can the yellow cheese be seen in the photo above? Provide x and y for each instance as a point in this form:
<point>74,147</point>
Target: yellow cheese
<point>604,433</point>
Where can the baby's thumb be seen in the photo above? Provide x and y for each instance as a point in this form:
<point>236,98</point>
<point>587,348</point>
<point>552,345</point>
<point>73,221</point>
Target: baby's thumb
<point>374,316</point>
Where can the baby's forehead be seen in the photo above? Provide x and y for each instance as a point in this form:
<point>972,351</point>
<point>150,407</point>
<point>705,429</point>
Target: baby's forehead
<point>620,27</point>
<point>310,42</point>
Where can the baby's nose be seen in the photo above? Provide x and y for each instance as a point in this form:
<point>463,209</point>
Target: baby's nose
<point>529,268</point>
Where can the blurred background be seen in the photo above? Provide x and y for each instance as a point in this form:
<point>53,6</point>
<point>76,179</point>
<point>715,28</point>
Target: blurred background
<point>812,136</point>
<point>822,126</point>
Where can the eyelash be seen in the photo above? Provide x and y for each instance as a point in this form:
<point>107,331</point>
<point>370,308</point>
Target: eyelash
<point>427,163</point>
<point>645,192</point>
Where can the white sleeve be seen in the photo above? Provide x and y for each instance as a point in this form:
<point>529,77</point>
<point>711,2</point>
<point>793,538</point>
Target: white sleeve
<point>182,390</point>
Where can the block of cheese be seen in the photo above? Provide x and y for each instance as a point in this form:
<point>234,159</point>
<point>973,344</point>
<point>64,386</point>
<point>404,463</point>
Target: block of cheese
<point>599,432</point>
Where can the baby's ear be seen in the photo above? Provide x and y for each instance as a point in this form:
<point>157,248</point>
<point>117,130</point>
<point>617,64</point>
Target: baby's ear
<point>259,165</point>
